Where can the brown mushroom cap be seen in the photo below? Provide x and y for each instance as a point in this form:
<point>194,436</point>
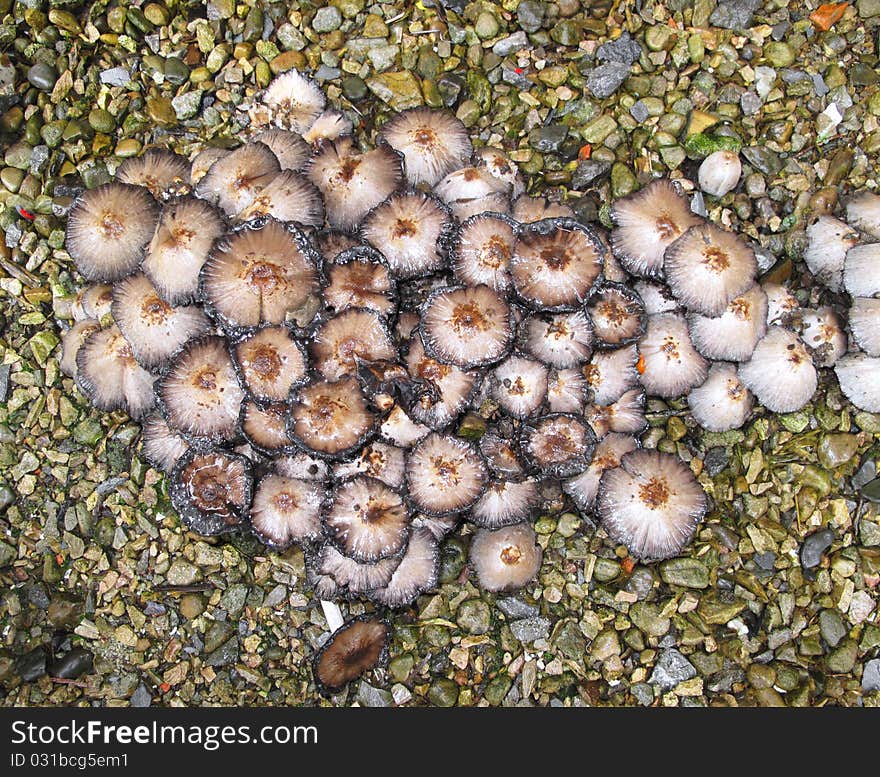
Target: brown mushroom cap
<point>271,362</point>
<point>482,251</point>
<point>261,274</point>
<point>359,645</point>
<point>236,178</point>
<point>292,151</point>
<point>360,278</point>
<point>559,445</point>
<point>451,387</point>
<point>108,230</point>
<point>561,340</point>
<point>265,427</point>
<point>418,571</point>
<point>444,474</point>
<point>354,335</point>
<point>617,314</point>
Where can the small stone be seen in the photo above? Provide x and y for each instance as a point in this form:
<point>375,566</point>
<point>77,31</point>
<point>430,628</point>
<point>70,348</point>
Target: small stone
<point>443,693</point>
<point>511,44</point>
<point>383,57</point>
<point>868,8</point>
<point>42,76</point>
<point>75,663</point>
<point>831,627</point>
<point>750,103</point>
<point>530,629</point>
<point>837,449</point>
<point>761,676</point>
<point>671,669</point>
<point>182,573</point>
<point>497,689</point>
<point>354,88</point>
<point>779,54</point>
<point>687,572</point>
<point>141,697</point>
<point>646,617</point>
<point>327,19</point>
<point>375,27</point>
<point>400,89</point>
<point>605,80</point>
<point>31,665</point>
<point>763,158</point>
<point>734,14</point>
<point>530,14</point>
<point>369,696</point>
<point>474,616</point>
<point>515,608</point>
<point>187,105</point>
<point>624,49</point>
<point>115,76</point>
<point>64,613</point>
<point>814,547</point>
<point>623,182</point>
<point>400,667</point>
<point>715,461</point>
<point>548,139</point>
<point>8,554</point>
<point>486,26</point>
<point>842,659</point>
<point>871,676</point>
<point>226,654</point>
<point>589,171</point>
<point>605,645</point>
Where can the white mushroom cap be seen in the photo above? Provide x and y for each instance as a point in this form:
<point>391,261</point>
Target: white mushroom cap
<point>720,173</point>
<point>287,510</point>
<point>506,502</point>
<point>780,373</point>
<point>672,365</point>
<point>583,488</point>
<point>444,474</point>
<point>861,270</point>
<point>528,210</point>
<point>864,320</point>
<point>822,331</point>
<point>505,559</point>
<point>519,385</point>
<point>418,571</point>
<point>828,240</point>
<point>863,212</point>
<point>611,374</point>
<point>482,251</point>
<point>859,378</point>
<point>723,402</point>
<point>567,391</point>
<point>732,336</point>
<point>651,503</point>
<point>562,340</point>
<point>294,101</point>
<point>781,303</point>
<point>657,297</point>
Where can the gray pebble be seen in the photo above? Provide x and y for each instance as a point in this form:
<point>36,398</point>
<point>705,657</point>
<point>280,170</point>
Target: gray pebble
<point>141,697</point>
<point>605,80</point>
<point>671,669</point>
<point>515,608</point>
<point>530,629</point>
<point>373,697</point>
<point>734,14</point>
<point>871,676</point>
<point>115,76</point>
<point>625,49</point>
<point>327,19</point>
<point>42,76</point>
<point>511,44</point>
<point>588,171</point>
<point>814,546</point>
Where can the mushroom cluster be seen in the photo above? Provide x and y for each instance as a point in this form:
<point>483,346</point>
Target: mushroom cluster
<point>354,348</point>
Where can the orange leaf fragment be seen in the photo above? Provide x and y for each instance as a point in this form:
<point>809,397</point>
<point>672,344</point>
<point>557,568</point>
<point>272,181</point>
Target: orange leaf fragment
<point>640,365</point>
<point>827,15</point>
<point>628,565</point>
<point>585,152</point>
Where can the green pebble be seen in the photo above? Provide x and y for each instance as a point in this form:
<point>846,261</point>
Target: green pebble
<point>685,572</point>
<point>88,432</point>
<point>486,26</point>
<point>497,689</point>
<point>469,113</point>
<point>443,693</point>
<point>623,182</point>
<point>474,616</point>
<point>675,428</point>
<point>761,676</point>
<point>400,667</point>
<point>65,20</point>
<point>842,659</point>
<point>11,178</point>
<point>837,449</point>
<point>128,147</point>
<point>658,37</point>
<point>779,54</point>
<point>101,120</point>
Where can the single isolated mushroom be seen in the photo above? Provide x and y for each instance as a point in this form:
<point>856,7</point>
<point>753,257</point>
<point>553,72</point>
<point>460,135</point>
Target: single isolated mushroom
<point>211,490</point>
<point>287,510</point>
<point>109,229</point>
<point>651,503</point>
<point>360,645</point>
<point>294,101</point>
<point>719,173</point>
<point>433,143</point>
<point>505,559</point>
<point>780,373</point>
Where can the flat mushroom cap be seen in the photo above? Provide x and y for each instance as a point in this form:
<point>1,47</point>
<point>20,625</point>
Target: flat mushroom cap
<point>271,362</point>
<point>199,393</point>
<point>864,320</point>
<point>360,278</point>
<point>505,502</point>
<point>292,151</point>
<point>352,576</point>
<point>163,173</point>
<point>93,301</point>
<point>466,326</point>
<point>610,374</point>
<point>651,503</point>
<point>262,274</point>
<point>584,487</point>
<point>183,239</point>
<point>707,267</point>
<point>562,340</point>
<point>822,331</point>
<point>519,385</point>
<point>162,446</point>
<point>722,402</point>
<point>359,645</point>
<point>646,224</point>
<point>451,385</point>
<point>108,230</point>
<point>108,374</point>
<point>264,426</point>
<point>559,445</point>
<point>617,314</point>
<point>482,251</point>
<point>828,240</point>
<point>236,178</point>
<point>567,391</point>
<point>861,270</point>
<point>287,510</point>
<point>71,342</point>
<point>528,210</point>
<point>367,520</point>
<point>354,335</point>
<point>154,329</point>
<point>505,559</point>
<point>377,460</point>
<point>353,183</point>
<point>290,197</point>
<point>211,490</point>
<point>433,143</point>
<point>411,230</point>
<point>555,263</point>
<point>331,419</point>
<point>780,373</point>
<point>670,362</point>
<point>863,212</point>
<point>444,474</point>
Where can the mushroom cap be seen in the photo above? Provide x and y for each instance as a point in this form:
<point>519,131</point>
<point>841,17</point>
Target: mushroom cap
<point>561,340</point>
<point>287,510</point>
<point>646,223</point>
<point>360,278</point>
<point>259,274</point>
<point>482,251</point>
<point>270,362</point>
<point>859,378</point>
<point>584,487</point>
<point>154,329</point>
<point>732,336</point>
<point>211,490</point>
<point>497,204</point>
<point>519,385</point>
<point>780,373</point>
<point>199,391</point>
<point>366,519</point>
<point>707,267</point>
<point>353,183</point>
<point>162,446</point>
<point>354,335</point>
<point>671,364</point>
<point>617,314</point>
<point>567,391</point>
<point>290,197</point>
<point>506,502</point>
<point>419,571</point>
<point>502,455</point>
<point>331,243</point>
<point>501,167</point>
<point>719,173</point>
<point>352,576</point>
<point>863,213</point>
<point>559,444</point>
<point>444,474</point>
<point>235,179</point>
<point>412,231</point>
<point>469,186</point>
<point>179,247</point>
<point>109,229</point>
<point>656,296</point>
<point>357,646</point>
<point>864,321</point>
<point>651,503</point>
<point>92,302</point>
<point>610,374</point>
<point>71,342</point>
<point>331,419</point>
<point>110,377</point>
<point>555,263</point>
<point>781,303</point>
<point>377,460</point>
<point>330,125</point>
<point>861,270</point>
<point>291,150</point>
<point>722,402</point>
<point>505,559</point>
<point>163,173</point>
<point>264,426</point>
<point>301,466</point>
<point>433,143</point>
<point>451,386</point>
<point>401,430</point>
<point>822,331</point>
<point>828,240</point>
<point>466,326</point>
<point>202,162</point>
<point>294,101</point>
<point>528,210</point>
